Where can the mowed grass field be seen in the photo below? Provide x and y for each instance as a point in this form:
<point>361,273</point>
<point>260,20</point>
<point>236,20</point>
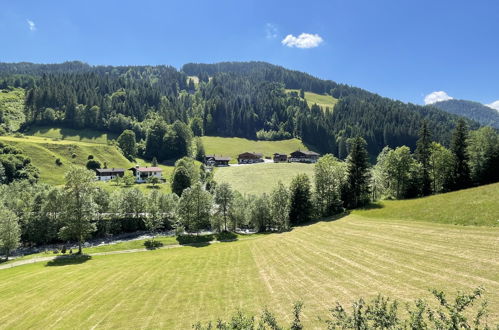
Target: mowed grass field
<point>322,100</point>
<point>319,264</point>
<point>44,151</point>
<point>234,146</point>
<point>86,135</point>
<point>261,178</point>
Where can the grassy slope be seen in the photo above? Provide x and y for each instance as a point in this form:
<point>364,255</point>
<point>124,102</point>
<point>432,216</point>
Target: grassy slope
<point>319,264</point>
<point>11,107</point>
<point>476,206</point>
<point>44,152</point>
<point>261,178</point>
<point>324,101</point>
<point>86,135</point>
<point>234,146</point>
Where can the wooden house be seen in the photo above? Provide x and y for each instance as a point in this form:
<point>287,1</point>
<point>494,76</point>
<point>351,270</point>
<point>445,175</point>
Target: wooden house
<point>250,158</point>
<point>214,160</point>
<point>280,158</point>
<point>106,174</point>
<point>304,156</point>
<point>143,173</point>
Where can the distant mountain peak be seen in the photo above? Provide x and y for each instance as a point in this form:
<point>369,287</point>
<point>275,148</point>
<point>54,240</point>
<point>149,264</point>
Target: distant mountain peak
<point>483,114</point>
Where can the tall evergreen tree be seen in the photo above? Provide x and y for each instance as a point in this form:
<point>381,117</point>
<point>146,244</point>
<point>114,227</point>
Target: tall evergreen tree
<point>460,178</point>
<point>423,152</point>
<point>358,176</point>
<point>301,207</point>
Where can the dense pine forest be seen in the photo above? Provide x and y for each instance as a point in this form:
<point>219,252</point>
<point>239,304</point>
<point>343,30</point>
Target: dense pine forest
<point>225,99</point>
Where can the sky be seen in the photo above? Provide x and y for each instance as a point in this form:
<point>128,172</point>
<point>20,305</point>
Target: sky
<point>415,51</point>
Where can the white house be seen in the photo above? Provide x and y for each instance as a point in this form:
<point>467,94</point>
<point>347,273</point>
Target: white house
<point>106,174</point>
<point>143,173</point>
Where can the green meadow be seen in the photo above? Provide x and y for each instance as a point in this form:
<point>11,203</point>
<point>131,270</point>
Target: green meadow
<point>261,178</point>
<point>322,100</point>
<point>12,108</point>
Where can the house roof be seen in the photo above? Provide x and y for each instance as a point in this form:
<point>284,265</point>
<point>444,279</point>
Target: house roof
<point>148,169</point>
<point>306,152</point>
<point>279,154</point>
<point>109,170</point>
<point>256,154</point>
<point>219,158</point>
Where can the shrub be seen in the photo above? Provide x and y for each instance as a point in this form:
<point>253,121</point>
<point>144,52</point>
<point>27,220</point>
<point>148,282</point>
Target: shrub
<point>193,239</point>
<point>92,164</point>
<point>152,244</point>
<point>226,236</point>
<point>58,162</point>
<point>90,157</point>
<point>73,155</point>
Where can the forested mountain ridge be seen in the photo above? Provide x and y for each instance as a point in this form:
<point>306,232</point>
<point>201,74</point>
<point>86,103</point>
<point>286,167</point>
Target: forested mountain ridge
<point>231,99</point>
<point>472,110</point>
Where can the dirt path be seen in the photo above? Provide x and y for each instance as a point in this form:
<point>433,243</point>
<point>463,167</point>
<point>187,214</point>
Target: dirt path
<point>43,259</point>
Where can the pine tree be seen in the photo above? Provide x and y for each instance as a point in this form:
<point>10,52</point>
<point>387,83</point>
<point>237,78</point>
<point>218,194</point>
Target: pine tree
<point>423,152</point>
<point>358,178</point>
<point>301,207</point>
<point>460,178</point>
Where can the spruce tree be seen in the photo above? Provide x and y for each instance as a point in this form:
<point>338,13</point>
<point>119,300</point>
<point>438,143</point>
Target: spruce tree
<point>357,193</point>
<point>460,178</point>
<point>301,200</point>
<point>423,153</point>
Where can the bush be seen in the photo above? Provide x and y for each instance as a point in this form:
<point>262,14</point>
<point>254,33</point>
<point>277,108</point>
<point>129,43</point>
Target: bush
<point>151,244</point>
<point>90,157</point>
<point>73,155</point>
<point>58,162</point>
<point>92,164</point>
<point>226,236</point>
<point>193,239</point>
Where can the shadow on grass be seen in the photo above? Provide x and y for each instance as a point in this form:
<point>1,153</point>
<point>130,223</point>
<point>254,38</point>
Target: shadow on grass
<point>68,260</point>
<point>372,206</point>
<point>332,218</point>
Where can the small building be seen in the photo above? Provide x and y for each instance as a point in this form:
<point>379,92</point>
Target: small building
<point>250,158</point>
<point>280,158</point>
<point>214,160</point>
<point>106,174</point>
<point>304,156</point>
<point>143,173</point>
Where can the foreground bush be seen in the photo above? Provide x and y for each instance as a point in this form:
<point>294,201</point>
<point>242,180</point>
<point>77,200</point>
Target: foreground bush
<point>379,313</point>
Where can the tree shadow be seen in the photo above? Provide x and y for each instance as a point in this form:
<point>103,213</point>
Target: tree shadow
<point>332,218</point>
<point>372,206</point>
<point>68,260</point>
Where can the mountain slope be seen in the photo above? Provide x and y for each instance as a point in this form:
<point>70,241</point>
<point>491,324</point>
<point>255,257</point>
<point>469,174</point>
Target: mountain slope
<point>472,110</point>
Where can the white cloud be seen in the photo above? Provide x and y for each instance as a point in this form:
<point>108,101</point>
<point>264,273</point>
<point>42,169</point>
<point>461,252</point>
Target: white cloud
<point>304,40</point>
<point>436,97</point>
<point>31,25</point>
<point>271,31</point>
<point>494,105</point>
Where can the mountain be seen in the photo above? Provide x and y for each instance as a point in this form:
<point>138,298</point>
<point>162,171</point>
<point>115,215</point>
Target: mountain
<point>235,99</point>
<point>472,110</point>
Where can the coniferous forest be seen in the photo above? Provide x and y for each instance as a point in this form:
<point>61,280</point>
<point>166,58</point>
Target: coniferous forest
<point>225,99</point>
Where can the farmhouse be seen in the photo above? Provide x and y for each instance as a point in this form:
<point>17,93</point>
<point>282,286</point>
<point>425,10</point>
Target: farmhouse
<point>249,158</point>
<point>213,160</point>
<point>304,156</point>
<point>280,158</point>
<point>143,173</point>
<point>106,174</point>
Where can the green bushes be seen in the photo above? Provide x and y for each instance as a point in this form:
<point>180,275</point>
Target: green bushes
<point>195,239</point>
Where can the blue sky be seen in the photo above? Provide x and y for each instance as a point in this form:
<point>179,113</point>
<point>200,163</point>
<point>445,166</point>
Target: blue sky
<point>400,49</point>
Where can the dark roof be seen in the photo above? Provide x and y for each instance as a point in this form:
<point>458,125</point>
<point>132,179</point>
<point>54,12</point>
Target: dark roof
<point>147,169</point>
<point>306,152</point>
<point>110,170</point>
<point>219,158</point>
<point>279,154</point>
<point>256,154</point>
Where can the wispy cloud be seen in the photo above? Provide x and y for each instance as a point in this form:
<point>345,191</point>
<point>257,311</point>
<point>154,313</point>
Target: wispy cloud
<point>437,97</point>
<point>494,105</point>
<point>304,40</point>
<point>31,25</point>
<point>271,31</point>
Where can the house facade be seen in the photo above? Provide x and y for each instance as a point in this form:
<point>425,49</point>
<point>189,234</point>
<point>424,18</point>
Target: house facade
<point>280,158</point>
<point>213,160</point>
<point>250,158</point>
<point>143,173</point>
<point>304,156</point>
<point>106,174</point>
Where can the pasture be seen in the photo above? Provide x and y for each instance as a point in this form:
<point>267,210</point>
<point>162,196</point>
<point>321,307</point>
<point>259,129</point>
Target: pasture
<point>319,264</point>
<point>322,100</point>
<point>261,178</point>
<point>70,134</point>
<point>234,146</point>
<point>44,151</point>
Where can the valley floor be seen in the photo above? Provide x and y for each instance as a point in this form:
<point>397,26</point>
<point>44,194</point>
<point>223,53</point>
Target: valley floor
<point>343,260</point>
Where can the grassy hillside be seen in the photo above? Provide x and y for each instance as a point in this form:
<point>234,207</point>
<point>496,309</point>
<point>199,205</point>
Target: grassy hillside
<point>69,134</point>
<point>324,101</point>
<point>319,264</point>
<point>11,109</point>
<point>476,206</point>
<point>261,178</point>
<point>45,151</point>
<point>235,146</point>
